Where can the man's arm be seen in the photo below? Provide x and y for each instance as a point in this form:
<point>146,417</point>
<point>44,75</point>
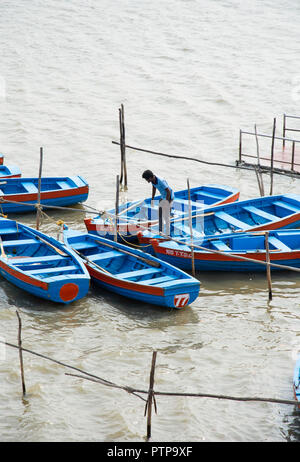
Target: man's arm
<point>153,191</point>
<point>168,197</point>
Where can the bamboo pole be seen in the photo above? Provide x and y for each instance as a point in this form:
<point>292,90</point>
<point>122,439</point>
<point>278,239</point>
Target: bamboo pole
<point>117,208</point>
<point>258,171</point>
<point>122,148</point>
<point>135,391</point>
<point>21,355</point>
<point>293,155</point>
<point>148,407</point>
<point>191,228</point>
<point>268,265</point>
<point>219,164</point>
<point>38,213</point>
<point>272,157</point>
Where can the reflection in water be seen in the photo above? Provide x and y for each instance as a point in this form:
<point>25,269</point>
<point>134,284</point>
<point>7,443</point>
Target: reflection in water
<point>293,427</point>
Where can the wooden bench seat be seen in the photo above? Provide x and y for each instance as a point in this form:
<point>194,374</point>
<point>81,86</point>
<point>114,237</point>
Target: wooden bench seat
<point>84,245</point>
<point>138,273</point>
<point>207,194</point>
<point>105,255</point>
<point>30,187</point>
<point>20,242</point>
<point>231,220</point>
<point>220,245</point>
<point>287,206</point>
<point>261,213</point>
<point>30,260</point>
<point>56,269</point>
<point>156,280</point>
<point>278,244</point>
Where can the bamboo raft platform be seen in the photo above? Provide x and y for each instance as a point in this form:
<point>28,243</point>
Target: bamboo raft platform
<point>284,155</point>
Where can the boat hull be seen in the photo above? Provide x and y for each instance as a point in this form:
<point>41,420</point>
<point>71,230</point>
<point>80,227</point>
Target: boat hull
<point>267,213</point>
<point>135,280</point>
<point>244,252</point>
<point>73,190</point>
<point>141,214</point>
<point>173,298</point>
<point>40,265</point>
<point>296,381</point>
<point>7,171</point>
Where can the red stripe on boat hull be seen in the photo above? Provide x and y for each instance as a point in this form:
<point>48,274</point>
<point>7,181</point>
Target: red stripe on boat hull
<point>47,194</point>
<point>274,255</point>
<point>229,199</point>
<point>124,284</point>
<point>23,277</point>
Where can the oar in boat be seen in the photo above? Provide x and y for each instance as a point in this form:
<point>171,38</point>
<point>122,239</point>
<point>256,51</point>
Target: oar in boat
<point>146,260</point>
<point>3,254</point>
<point>61,252</point>
<point>91,262</point>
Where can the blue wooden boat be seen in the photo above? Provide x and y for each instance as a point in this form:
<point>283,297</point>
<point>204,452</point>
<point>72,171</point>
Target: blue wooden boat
<point>131,273</point>
<point>263,213</point>
<point>134,216</point>
<point>296,381</point>
<point>9,171</point>
<point>40,265</point>
<point>284,246</point>
<point>16,194</point>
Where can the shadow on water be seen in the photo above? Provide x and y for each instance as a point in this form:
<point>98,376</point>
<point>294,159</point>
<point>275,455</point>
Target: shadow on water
<point>293,428</point>
<point>144,312</point>
<point>15,297</point>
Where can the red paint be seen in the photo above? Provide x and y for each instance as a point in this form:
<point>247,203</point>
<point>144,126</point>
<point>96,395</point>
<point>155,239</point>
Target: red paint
<point>198,255</point>
<point>11,176</point>
<point>23,277</point>
<point>124,284</point>
<point>68,291</point>
<point>123,229</point>
<point>47,194</point>
<point>134,228</point>
<point>232,198</point>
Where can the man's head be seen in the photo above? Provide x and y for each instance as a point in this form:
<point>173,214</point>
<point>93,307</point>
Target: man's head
<point>148,176</point>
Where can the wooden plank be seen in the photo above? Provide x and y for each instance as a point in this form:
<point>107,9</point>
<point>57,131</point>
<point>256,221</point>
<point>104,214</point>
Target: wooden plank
<point>287,206</point>
<point>141,272</point>
<point>229,219</point>
<point>279,244</point>
<point>261,213</point>
<point>16,243</point>
<point>220,245</point>
<point>105,255</point>
<point>56,269</point>
<point>28,260</point>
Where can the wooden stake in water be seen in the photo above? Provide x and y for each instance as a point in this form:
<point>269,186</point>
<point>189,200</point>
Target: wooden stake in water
<point>21,354</point>
<point>268,264</point>
<point>117,208</point>
<point>258,172</point>
<point>38,213</point>
<point>191,228</point>
<point>148,407</point>
<point>272,157</point>
<point>122,148</point>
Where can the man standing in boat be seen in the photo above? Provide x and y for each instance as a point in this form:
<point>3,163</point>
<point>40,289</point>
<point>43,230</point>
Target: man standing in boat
<point>166,201</point>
